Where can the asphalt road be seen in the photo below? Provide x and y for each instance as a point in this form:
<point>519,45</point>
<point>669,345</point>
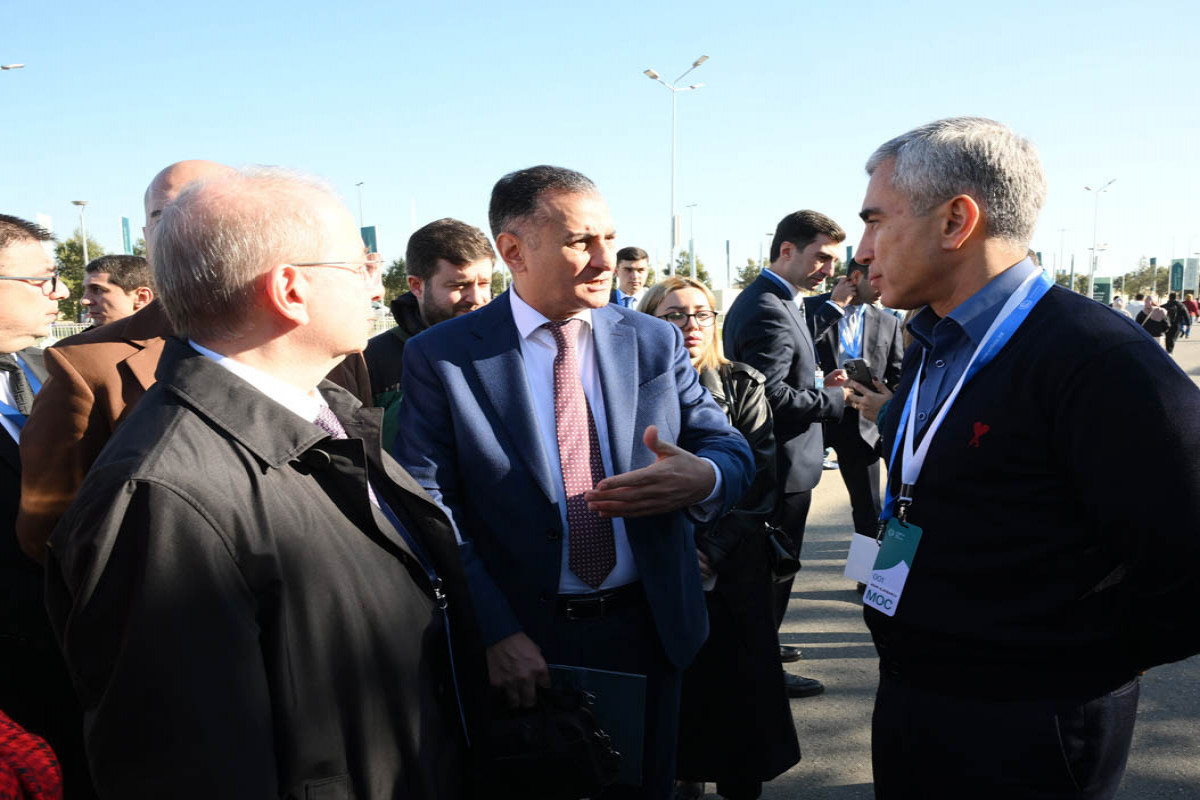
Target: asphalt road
<point>825,620</point>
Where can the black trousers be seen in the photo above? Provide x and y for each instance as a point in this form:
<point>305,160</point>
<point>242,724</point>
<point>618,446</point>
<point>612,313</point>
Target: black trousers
<point>790,515</point>
<point>926,744</point>
<point>627,641</point>
<point>1171,335</point>
<point>859,464</point>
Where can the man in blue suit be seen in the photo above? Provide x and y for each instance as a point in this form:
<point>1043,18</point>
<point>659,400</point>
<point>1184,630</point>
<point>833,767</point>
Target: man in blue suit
<point>567,437</point>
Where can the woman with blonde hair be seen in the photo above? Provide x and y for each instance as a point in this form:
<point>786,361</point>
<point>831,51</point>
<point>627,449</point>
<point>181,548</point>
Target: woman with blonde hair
<point>735,724</point>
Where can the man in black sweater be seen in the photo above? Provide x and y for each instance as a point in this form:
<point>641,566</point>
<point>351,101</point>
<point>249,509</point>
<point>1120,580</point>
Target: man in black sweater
<point>1010,652</point>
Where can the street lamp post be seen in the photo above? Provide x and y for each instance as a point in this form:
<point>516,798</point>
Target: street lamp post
<point>675,89</point>
<point>360,214</point>
<point>1095,230</point>
<point>82,228</point>
<point>7,67</point>
<point>692,236</point>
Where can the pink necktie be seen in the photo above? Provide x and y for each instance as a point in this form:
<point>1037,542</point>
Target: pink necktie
<point>593,553</point>
<point>327,421</point>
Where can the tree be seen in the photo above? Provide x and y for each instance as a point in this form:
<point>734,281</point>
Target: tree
<point>395,280</point>
<point>683,266</point>
<point>500,281</point>
<point>747,274</point>
<point>139,247</point>
<point>69,255</point>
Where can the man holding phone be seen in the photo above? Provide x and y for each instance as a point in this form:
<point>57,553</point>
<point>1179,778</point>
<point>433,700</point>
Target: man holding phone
<point>868,343</point>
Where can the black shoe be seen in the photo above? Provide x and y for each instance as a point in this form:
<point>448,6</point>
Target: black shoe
<point>798,686</point>
<point>788,654</point>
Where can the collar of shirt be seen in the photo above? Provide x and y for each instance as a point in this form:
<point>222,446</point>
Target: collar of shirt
<point>785,283</point>
<point>529,320</point>
<point>8,398</point>
<point>975,315</point>
<point>303,404</point>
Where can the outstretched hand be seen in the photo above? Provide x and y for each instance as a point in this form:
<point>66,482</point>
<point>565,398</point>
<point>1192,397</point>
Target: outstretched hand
<point>675,480</point>
<point>868,402</point>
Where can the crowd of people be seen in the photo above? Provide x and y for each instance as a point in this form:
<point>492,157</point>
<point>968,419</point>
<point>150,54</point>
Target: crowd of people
<point>251,552</point>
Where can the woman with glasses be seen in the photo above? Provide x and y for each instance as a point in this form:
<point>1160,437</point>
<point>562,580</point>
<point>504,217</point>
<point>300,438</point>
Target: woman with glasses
<point>735,722</point>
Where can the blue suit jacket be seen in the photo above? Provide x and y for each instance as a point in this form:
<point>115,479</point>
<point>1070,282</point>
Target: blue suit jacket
<point>765,330</point>
<point>469,436</point>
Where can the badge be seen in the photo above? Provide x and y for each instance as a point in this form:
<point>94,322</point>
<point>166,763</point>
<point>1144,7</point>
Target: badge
<point>892,565</point>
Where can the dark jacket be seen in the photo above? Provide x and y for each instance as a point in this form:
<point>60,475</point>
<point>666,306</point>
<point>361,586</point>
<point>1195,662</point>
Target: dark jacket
<point>765,329</point>
<point>735,722</point>
<point>239,620</point>
<point>1034,576</point>
<point>35,689</point>
<point>385,361</point>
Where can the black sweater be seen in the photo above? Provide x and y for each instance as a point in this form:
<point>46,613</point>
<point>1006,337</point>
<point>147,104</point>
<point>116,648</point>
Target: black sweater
<point>1055,559</point>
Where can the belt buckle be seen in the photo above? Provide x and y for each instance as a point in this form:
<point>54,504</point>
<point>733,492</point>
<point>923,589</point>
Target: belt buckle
<point>595,606</point>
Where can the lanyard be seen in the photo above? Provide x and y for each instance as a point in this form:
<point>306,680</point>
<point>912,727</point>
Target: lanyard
<point>1011,316</point>
<point>14,415</point>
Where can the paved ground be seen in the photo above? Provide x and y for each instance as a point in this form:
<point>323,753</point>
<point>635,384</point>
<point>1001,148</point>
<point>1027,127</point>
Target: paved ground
<point>826,621</point>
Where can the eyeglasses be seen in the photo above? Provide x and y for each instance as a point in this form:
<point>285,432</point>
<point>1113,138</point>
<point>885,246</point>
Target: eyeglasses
<point>367,270</point>
<point>51,284</point>
<point>704,319</point>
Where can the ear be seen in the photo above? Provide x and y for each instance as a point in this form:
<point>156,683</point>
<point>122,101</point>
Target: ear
<point>286,293</point>
<point>961,218</point>
<point>142,297</point>
<point>512,250</point>
<point>416,286</point>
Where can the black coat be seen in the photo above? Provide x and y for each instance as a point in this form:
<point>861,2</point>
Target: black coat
<point>240,622</point>
<point>765,329</point>
<point>735,719</point>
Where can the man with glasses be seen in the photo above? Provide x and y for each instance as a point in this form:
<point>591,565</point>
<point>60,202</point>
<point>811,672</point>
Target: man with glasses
<point>96,377</point>
<point>254,599</point>
<point>34,688</point>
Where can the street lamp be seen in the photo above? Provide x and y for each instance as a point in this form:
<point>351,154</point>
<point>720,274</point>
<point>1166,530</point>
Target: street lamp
<point>7,67</point>
<point>360,214</point>
<point>1095,229</point>
<point>675,89</point>
<point>692,236</point>
<point>82,228</point>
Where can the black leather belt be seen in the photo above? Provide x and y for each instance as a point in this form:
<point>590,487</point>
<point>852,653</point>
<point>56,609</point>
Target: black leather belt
<point>592,606</point>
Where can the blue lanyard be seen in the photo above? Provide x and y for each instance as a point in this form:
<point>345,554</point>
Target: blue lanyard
<point>1011,317</point>
<point>14,415</point>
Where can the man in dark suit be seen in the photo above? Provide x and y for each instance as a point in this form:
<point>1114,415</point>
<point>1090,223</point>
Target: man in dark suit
<point>567,436</point>
<point>874,335</point>
<point>766,329</point>
<point>633,264</point>
<point>34,688</point>
<point>253,599</point>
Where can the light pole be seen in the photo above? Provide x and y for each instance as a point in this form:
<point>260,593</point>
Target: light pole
<point>82,228</point>
<point>1095,229</point>
<point>7,67</point>
<point>1062,241</point>
<point>675,89</point>
<point>692,236</point>
<point>360,214</point>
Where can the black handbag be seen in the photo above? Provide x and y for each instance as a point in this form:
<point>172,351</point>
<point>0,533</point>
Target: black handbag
<point>555,750</point>
<point>783,553</point>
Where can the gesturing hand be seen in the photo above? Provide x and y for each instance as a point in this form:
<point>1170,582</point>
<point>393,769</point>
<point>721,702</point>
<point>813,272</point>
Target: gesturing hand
<point>866,401</point>
<point>677,479</point>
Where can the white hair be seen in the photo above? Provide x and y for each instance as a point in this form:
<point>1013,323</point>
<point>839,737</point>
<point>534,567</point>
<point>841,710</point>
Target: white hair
<point>220,234</point>
<point>973,156</point>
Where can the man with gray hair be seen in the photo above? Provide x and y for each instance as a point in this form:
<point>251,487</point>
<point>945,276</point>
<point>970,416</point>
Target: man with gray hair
<point>253,599</point>
<point>1014,601</point>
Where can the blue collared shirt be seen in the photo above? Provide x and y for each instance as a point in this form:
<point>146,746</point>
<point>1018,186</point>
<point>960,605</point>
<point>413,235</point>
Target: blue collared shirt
<point>949,342</point>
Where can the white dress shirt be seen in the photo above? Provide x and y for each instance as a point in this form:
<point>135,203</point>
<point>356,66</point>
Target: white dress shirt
<point>538,351</point>
<point>301,403</point>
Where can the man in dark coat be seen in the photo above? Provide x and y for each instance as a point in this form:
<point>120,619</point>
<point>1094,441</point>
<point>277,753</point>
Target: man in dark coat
<point>449,267</point>
<point>34,687</point>
<point>254,600</point>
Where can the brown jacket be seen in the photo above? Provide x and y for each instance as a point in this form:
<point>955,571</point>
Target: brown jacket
<point>95,379</point>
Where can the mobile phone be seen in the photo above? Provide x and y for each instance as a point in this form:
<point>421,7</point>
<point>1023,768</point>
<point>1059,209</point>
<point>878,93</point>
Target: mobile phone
<point>858,370</point>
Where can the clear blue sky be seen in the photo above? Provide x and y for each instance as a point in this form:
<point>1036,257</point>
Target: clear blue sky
<point>429,104</point>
